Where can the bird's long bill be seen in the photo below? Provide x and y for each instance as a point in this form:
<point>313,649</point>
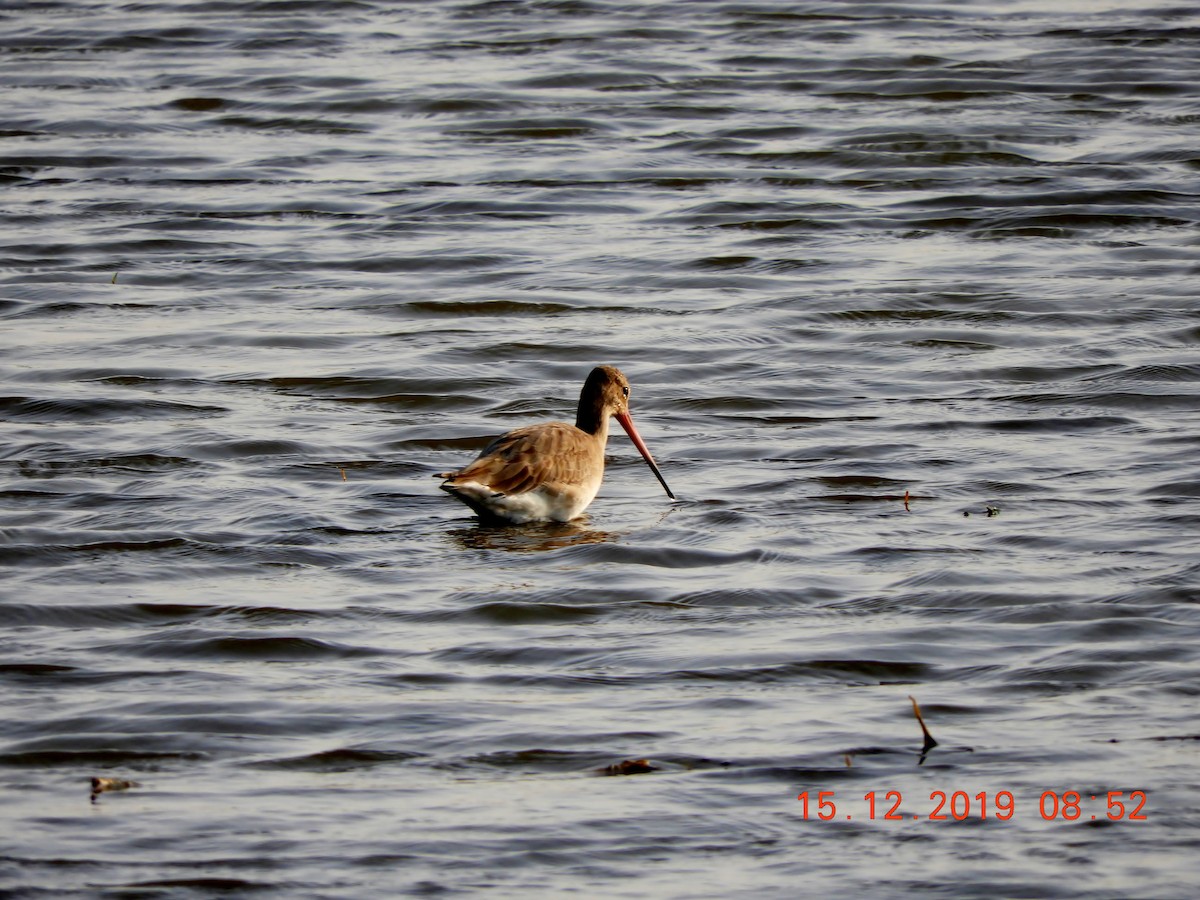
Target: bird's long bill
<point>627,424</point>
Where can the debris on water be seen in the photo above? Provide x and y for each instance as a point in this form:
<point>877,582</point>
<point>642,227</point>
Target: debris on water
<point>930,743</point>
<point>990,511</point>
<point>629,767</point>
<point>103,785</point>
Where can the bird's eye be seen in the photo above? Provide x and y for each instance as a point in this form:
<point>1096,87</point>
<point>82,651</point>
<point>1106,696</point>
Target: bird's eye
<point>625,391</point>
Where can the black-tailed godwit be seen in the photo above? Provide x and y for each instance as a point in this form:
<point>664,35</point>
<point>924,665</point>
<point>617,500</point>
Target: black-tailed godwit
<point>550,472</point>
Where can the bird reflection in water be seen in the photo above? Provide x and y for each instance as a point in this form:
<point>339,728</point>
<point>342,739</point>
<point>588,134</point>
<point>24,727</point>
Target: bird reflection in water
<point>532,538</point>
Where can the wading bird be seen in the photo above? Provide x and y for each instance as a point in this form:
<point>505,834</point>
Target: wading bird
<point>550,472</point>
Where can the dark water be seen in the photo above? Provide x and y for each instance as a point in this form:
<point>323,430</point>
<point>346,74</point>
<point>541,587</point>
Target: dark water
<point>267,266</point>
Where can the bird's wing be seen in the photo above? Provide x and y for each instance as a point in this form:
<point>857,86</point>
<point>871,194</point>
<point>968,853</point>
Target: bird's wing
<point>527,458</point>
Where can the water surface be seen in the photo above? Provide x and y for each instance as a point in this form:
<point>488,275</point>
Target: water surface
<point>266,267</point>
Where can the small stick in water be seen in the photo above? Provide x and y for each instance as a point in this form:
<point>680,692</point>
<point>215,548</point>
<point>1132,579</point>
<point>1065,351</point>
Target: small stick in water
<point>930,743</point>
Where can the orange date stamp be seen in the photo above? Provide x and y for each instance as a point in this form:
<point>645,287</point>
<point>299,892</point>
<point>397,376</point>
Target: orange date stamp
<point>1069,806</point>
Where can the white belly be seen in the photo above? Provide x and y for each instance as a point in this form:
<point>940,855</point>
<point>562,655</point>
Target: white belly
<point>541,504</point>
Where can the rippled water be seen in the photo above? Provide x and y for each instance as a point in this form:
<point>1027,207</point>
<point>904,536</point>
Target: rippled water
<point>266,267</point>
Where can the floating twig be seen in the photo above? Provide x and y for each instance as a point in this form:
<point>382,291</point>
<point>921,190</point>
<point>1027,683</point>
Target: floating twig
<point>930,743</point>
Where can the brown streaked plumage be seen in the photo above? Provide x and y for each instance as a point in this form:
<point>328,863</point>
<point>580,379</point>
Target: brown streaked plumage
<point>550,472</point>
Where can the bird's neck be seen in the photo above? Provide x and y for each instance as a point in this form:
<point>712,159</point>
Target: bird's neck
<point>593,421</point>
